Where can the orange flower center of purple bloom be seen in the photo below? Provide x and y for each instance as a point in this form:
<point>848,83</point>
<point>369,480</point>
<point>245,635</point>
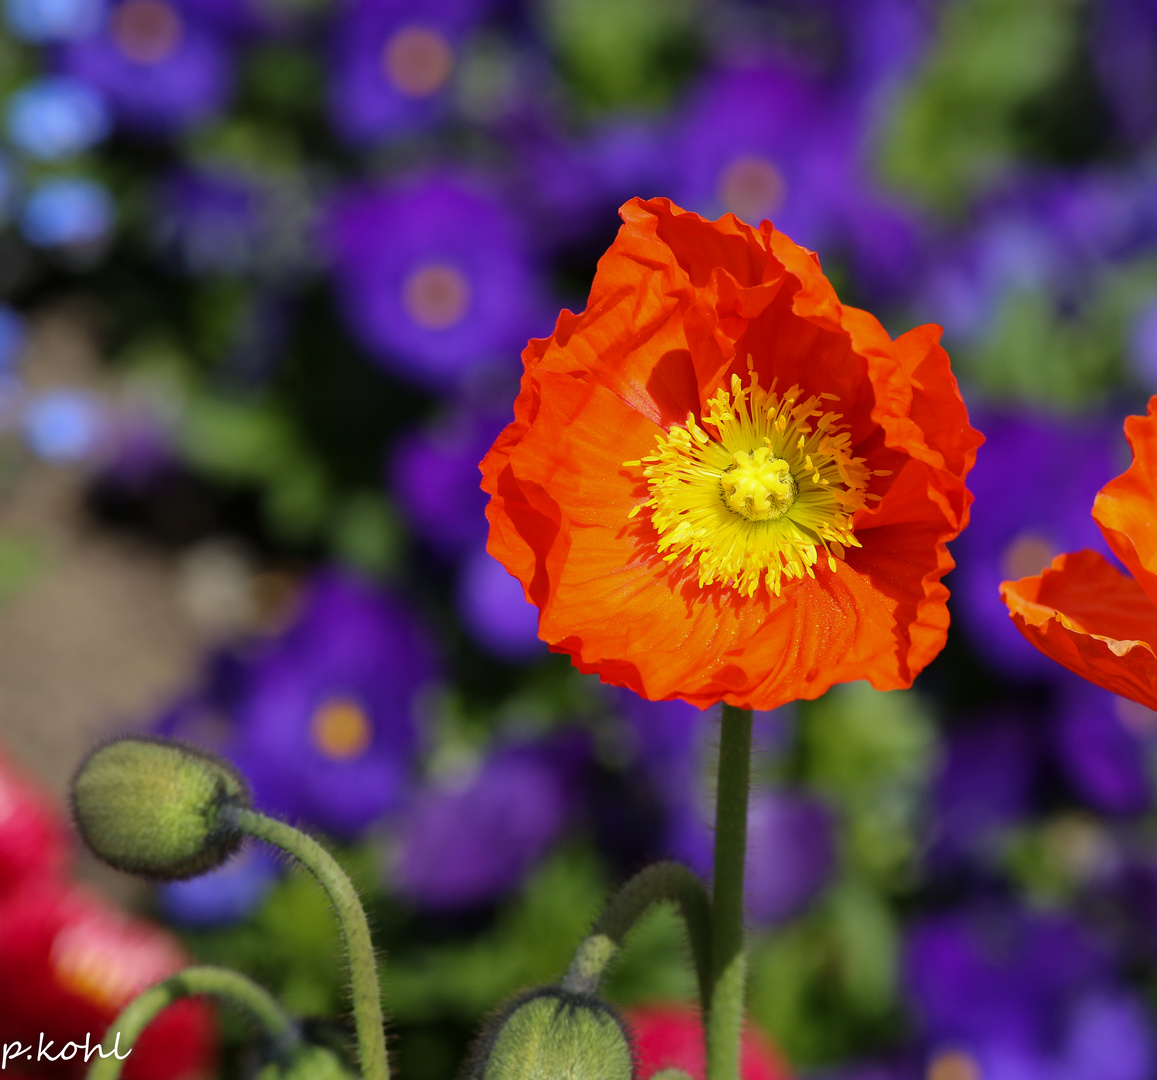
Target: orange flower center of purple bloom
<point>417,61</point>
<point>757,489</point>
<point>954,1065</point>
<point>751,187</point>
<point>1027,555</point>
<point>340,729</point>
<point>146,31</point>
<point>436,296</point>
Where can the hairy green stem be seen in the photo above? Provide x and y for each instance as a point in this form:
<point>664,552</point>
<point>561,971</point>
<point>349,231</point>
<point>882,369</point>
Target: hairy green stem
<point>728,963</point>
<point>355,930</point>
<point>670,881</point>
<point>203,980</point>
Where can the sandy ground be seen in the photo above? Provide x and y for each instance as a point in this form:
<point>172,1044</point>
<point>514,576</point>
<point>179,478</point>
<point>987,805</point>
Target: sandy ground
<point>99,637</point>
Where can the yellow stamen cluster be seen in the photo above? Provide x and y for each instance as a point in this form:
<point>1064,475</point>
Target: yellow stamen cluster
<point>755,491</point>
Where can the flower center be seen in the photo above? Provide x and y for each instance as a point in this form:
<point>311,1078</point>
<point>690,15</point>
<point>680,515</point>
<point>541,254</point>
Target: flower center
<point>417,61</point>
<point>146,31</point>
<point>752,188</point>
<point>436,296</point>
<point>758,486</point>
<point>340,729</point>
<point>758,489</point>
<point>1027,555</point>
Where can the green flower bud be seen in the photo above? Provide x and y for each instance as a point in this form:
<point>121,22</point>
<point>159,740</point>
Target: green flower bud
<point>157,807</point>
<point>554,1034</point>
<point>308,1063</point>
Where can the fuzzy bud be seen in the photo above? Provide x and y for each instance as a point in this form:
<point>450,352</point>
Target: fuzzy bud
<point>551,1032</point>
<point>157,807</point>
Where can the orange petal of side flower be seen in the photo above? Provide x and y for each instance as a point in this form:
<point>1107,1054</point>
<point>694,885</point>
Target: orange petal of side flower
<point>690,323</point>
<point>1096,621</point>
<point>1086,614</point>
<point>1126,508</point>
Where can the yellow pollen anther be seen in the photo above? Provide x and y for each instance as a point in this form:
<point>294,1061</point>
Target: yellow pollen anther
<point>757,490</point>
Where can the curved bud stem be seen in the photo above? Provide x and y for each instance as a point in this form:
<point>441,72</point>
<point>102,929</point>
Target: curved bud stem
<point>728,964</point>
<point>670,881</point>
<point>355,930</point>
<point>193,981</point>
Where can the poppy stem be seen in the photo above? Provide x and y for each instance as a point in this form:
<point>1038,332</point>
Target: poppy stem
<point>193,981</point>
<point>728,960</point>
<point>364,988</point>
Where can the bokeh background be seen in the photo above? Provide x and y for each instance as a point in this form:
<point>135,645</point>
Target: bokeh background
<point>266,268</point>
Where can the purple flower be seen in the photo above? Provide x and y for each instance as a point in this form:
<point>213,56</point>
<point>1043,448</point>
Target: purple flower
<point>158,65</point>
<point>985,782</point>
<point>13,337</point>
<point>328,725</point>
<point>1034,482</point>
<point>791,852</point>
<point>392,64</point>
<point>223,896</point>
<point>469,840</point>
<point>760,142</point>
<point>1143,347</point>
<point>1124,52</point>
<point>434,477</point>
<point>494,610</point>
<point>1102,748</point>
<point>435,279</point>
<point>998,976</point>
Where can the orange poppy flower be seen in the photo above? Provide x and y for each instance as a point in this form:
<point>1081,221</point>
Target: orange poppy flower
<point>722,485</point>
<point>1082,611</point>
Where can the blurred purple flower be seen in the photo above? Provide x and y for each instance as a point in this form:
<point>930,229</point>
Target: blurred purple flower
<point>327,725</point>
<point>210,221</point>
<point>434,477</point>
<point>435,279</point>
<point>13,336</point>
<point>998,976</point>
<point>1017,527</point>
<point>159,66</point>
<point>1124,53</point>
<point>1143,347</point>
<point>574,186</point>
<point>1103,756</point>
<point>392,63</point>
<point>223,896</point>
<point>985,782</point>
<point>791,852</point>
<point>495,611</point>
<point>468,841</point>
<point>763,143</point>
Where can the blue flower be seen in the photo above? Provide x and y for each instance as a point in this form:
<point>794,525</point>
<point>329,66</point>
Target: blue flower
<point>40,21</point>
<point>225,895</point>
<point>67,211</point>
<point>56,118</point>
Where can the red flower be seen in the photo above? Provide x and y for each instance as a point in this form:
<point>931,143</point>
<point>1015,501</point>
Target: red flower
<point>33,841</point>
<point>722,484</point>
<point>671,1037</point>
<point>1082,611</point>
<point>69,964</point>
